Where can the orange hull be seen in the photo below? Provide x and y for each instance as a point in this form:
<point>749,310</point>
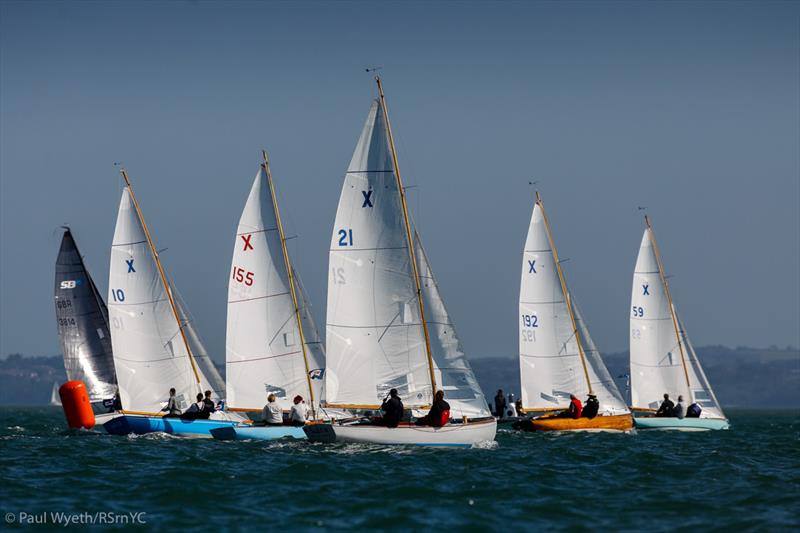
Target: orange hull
<point>609,423</point>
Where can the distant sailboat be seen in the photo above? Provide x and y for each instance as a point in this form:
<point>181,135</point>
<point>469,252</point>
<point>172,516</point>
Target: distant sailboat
<point>557,356</point>
<point>272,344</point>
<point>662,358</point>
<point>82,320</point>
<point>387,327</point>
<point>151,338</point>
<point>55,398</point>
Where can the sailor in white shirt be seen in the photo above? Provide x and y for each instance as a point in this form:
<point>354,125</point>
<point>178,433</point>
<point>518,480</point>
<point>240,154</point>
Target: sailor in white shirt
<point>299,412</point>
<point>272,414</point>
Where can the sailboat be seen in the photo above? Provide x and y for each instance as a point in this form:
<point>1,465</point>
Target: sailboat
<point>556,354</point>
<point>82,319</point>
<point>152,342</point>
<point>272,343</point>
<point>662,358</point>
<point>387,326</point>
<point>55,398</point>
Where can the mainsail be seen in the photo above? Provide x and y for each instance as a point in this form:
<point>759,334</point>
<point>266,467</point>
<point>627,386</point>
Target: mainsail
<point>661,358</point>
<point>376,337</point>
<point>82,320</point>
<point>264,346</point>
<point>557,356</point>
<point>151,351</point>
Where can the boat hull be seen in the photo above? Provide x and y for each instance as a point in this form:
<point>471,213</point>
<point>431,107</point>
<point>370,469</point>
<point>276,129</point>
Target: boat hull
<point>598,423</point>
<point>451,435</point>
<point>247,432</point>
<point>140,425</point>
<point>681,424</point>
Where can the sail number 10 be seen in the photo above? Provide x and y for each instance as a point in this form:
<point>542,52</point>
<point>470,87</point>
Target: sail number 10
<point>243,276</point>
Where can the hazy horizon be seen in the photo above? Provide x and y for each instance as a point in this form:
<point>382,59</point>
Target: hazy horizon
<point>689,109</point>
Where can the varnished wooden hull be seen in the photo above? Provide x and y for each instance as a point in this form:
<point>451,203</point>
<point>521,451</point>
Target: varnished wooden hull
<point>598,423</point>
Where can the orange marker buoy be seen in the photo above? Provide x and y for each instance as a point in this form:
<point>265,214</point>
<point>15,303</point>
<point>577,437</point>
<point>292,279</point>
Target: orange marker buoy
<point>75,401</point>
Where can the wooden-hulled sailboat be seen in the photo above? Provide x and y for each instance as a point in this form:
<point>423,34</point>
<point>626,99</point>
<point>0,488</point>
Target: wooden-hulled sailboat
<point>556,354</point>
<point>662,358</point>
<point>82,319</point>
<point>387,327</point>
<point>272,343</point>
<point>152,342</point>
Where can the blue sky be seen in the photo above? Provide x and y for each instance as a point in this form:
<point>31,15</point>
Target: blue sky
<point>690,109</point>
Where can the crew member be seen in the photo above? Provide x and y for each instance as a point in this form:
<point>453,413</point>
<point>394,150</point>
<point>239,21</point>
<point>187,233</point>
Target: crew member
<point>172,408</point>
<point>680,408</point>
<point>591,407</point>
<point>299,412</point>
<point>196,409</point>
<point>500,404</point>
<point>272,414</point>
<point>436,417</point>
<point>574,410</point>
<point>666,407</point>
<point>392,408</point>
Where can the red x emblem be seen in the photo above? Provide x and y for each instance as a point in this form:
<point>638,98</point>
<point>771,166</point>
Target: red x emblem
<point>247,245</point>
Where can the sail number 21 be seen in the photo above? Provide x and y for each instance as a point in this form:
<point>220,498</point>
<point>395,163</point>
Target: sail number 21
<point>345,237</point>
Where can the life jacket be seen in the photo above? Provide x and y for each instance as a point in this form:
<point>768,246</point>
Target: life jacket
<point>445,417</point>
<point>578,408</point>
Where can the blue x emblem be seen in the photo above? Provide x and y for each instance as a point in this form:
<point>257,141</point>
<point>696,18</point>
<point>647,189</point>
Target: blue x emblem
<point>367,198</point>
<point>645,290</point>
<point>532,265</point>
<point>130,265</point>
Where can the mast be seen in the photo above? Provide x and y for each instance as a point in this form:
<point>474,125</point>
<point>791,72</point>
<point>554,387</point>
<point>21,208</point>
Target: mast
<point>290,273</point>
<point>157,261</point>
<point>669,296</point>
<point>411,254</point>
<point>563,282</point>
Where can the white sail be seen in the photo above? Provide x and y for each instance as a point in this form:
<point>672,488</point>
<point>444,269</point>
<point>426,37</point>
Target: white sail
<point>550,361</point>
<point>263,347</point>
<point>702,393</point>
<point>375,341</point>
<point>452,370</point>
<point>149,352</point>
<point>660,362</point>
<point>551,367</point>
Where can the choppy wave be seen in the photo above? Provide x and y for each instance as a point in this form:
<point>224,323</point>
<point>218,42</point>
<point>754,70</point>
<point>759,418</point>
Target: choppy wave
<point>747,478</point>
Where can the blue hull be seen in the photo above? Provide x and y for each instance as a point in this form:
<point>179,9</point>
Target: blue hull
<point>242,432</point>
<point>680,424</point>
<point>139,425</point>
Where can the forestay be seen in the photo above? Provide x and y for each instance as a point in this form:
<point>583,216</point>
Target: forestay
<point>150,354</point>
<point>659,362</point>
<point>452,370</point>
<point>82,320</point>
<point>263,346</point>
<point>375,340</point>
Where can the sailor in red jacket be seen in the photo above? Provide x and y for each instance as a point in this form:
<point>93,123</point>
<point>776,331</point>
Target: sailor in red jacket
<point>575,408</point>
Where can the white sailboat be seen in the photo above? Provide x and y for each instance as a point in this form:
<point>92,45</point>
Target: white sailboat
<point>661,357</point>
<point>387,327</point>
<point>55,397</point>
<point>272,343</point>
<point>149,335</point>
<point>556,354</point>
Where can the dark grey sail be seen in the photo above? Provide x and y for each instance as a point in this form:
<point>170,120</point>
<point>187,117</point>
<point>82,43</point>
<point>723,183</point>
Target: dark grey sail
<point>82,320</point>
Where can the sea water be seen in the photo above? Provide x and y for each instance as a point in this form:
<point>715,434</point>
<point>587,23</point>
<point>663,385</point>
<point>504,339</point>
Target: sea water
<point>746,478</point>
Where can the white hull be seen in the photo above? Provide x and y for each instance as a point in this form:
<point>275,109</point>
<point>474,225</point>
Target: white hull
<point>450,435</point>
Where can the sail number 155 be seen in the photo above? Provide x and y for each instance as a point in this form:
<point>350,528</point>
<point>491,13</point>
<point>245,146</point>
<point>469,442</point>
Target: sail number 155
<point>243,276</point>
